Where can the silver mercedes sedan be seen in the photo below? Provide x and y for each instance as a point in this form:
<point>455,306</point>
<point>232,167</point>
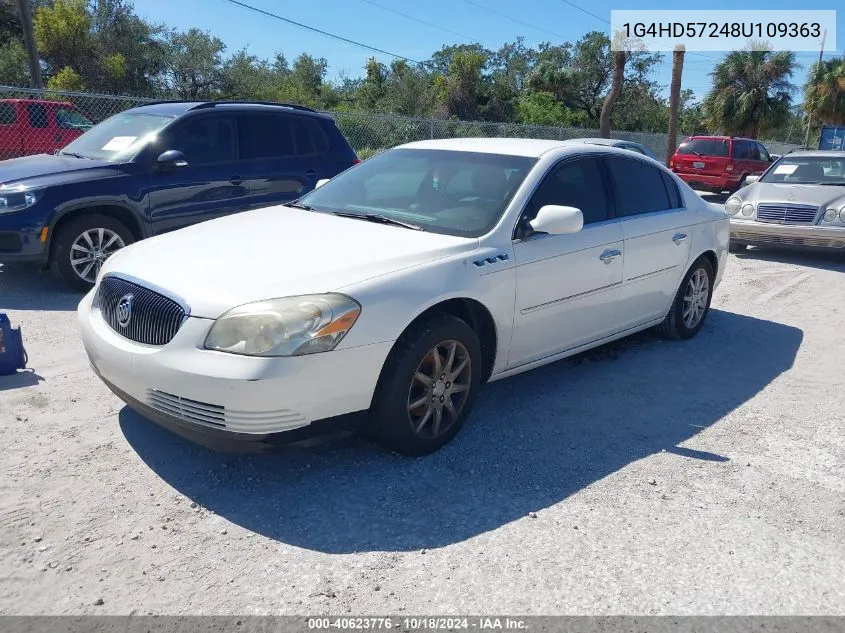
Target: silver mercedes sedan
<point>799,201</point>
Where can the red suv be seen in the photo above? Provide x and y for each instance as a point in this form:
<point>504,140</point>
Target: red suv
<point>719,163</point>
<point>29,126</point>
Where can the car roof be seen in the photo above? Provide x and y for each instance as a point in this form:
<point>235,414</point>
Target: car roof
<point>599,141</point>
<point>177,108</point>
<point>717,137</point>
<point>41,101</point>
<point>529,147</point>
<point>816,153</point>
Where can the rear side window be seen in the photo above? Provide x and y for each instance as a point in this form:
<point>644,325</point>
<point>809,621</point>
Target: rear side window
<point>309,136</point>
<point>8,114</point>
<point>37,115</point>
<point>672,189</point>
<point>745,150</point>
<point>265,136</point>
<point>764,153</point>
<point>639,187</point>
<point>705,147</point>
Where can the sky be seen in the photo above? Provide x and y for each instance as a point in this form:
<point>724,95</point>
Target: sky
<point>490,22</point>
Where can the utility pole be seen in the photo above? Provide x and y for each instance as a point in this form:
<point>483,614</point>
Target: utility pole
<point>25,15</point>
<point>809,115</point>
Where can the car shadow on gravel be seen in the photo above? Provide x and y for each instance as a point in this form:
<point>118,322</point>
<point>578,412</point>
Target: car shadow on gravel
<point>833,261</point>
<point>28,288</point>
<point>532,441</point>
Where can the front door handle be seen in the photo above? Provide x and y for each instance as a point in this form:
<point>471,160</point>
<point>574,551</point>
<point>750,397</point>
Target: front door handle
<point>236,180</point>
<point>679,237</point>
<point>310,173</point>
<point>609,255</point>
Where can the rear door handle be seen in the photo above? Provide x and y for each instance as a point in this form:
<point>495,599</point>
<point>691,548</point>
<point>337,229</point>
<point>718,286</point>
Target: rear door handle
<point>609,255</point>
<point>310,173</point>
<point>679,237</point>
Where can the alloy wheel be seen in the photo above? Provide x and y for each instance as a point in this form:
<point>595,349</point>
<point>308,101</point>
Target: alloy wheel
<point>439,389</point>
<point>695,298</point>
<point>90,249</point>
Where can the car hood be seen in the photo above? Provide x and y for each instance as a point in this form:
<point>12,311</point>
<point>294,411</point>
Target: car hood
<point>48,169</point>
<point>816,195</point>
<point>278,251</point>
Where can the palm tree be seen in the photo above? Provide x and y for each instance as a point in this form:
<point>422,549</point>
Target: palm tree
<point>674,99</point>
<point>751,91</point>
<point>619,59</point>
<point>824,92</point>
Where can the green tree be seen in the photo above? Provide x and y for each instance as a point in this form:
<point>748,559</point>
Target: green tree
<point>824,92</point>
<point>62,33</point>
<point>462,87</point>
<point>244,76</point>
<point>14,69</point>
<point>193,65</point>
<point>751,91</point>
<point>541,108</point>
<point>373,89</point>
<point>67,79</point>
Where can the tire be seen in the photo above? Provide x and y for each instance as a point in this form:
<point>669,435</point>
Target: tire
<point>394,418</point>
<point>675,325</point>
<point>114,233</point>
<point>733,247</point>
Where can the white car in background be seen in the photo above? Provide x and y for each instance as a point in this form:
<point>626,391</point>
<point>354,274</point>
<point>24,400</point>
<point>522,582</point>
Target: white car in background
<point>391,293</point>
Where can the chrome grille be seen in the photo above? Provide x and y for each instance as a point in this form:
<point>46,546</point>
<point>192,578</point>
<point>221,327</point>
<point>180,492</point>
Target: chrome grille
<point>154,319</point>
<point>787,213</point>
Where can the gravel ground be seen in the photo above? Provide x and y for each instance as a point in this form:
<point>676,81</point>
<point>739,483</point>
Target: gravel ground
<point>648,477</point>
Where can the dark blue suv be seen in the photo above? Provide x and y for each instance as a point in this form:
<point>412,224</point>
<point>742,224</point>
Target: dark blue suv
<point>157,168</point>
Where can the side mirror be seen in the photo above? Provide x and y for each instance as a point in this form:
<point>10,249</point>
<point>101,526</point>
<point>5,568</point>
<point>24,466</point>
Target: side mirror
<point>171,159</point>
<point>321,182</point>
<point>558,220</point>
<point>751,178</point>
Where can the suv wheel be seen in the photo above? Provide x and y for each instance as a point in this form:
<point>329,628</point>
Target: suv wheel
<point>82,245</point>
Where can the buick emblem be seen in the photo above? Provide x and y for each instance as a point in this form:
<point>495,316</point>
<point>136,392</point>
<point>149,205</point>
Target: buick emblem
<point>124,310</point>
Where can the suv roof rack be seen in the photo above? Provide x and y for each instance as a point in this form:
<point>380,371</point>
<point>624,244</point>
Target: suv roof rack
<point>293,106</point>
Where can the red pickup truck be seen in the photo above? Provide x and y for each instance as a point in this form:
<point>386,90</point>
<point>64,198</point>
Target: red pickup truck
<point>28,126</point>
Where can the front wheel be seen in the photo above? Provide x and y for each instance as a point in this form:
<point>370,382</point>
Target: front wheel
<point>82,245</point>
<point>428,386</point>
<point>692,302</point>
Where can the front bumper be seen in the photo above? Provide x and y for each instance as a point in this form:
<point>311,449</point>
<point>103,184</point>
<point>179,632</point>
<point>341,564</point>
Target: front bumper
<point>225,398</point>
<point>764,233</point>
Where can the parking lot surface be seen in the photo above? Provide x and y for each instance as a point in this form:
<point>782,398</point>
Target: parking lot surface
<point>647,477</point>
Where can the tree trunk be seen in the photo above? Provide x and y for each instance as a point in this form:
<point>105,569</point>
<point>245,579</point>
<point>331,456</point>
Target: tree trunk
<point>674,100</point>
<point>619,59</point>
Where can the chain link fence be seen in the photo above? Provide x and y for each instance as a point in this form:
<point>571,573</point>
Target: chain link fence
<point>34,122</point>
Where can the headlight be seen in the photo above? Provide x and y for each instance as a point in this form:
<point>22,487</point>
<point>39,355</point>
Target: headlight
<point>733,205</point>
<point>17,198</point>
<point>831,214</point>
<point>290,326</point>
<point>748,210</point>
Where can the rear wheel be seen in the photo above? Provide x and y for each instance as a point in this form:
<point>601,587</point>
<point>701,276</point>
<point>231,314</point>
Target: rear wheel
<point>428,386</point>
<point>692,302</point>
<point>82,245</point>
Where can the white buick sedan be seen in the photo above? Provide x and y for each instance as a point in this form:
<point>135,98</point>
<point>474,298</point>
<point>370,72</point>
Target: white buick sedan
<point>391,293</point>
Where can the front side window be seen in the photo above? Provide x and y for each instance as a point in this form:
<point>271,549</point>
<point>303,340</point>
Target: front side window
<point>442,191</point>
<point>639,187</point>
<point>72,120</point>
<point>763,153</point>
<point>807,170</point>
<point>577,183</point>
<point>118,138</point>
<point>205,140</point>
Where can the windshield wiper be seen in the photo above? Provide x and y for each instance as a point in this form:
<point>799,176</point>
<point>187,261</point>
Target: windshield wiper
<point>831,184</point>
<point>696,153</point>
<point>381,219</point>
<point>74,154</point>
<point>297,205</point>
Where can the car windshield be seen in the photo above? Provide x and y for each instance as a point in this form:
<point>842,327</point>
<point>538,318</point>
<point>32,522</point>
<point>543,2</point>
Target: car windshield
<point>705,147</point>
<point>441,191</point>
<point>118,138</point>
<point>807,170</point>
